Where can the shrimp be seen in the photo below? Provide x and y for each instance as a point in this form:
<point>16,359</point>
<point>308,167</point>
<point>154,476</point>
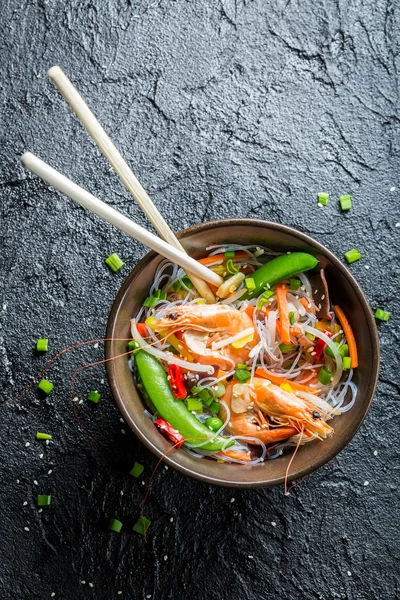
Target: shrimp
<point>247,423</point>
<point>202,325</point>
<point>288,414</point>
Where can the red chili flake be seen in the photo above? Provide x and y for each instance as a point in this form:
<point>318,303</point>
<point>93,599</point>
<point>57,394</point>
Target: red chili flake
<point>172,434</point>
<point>175,378</point>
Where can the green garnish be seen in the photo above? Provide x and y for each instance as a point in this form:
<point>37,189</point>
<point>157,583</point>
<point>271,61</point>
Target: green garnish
<point>177,286</point>
<point>43,500</point>
<point>160,295</point>
<point>324,376</point>
<point>133,345</point>
<point>242,375</point>
<point>186,281</point>
<point>345,202</point>
<point>150,302</point>
<point>287,348</point>
<point>204,394</point>
<point>136,470</point>
<point>215,406</point>
<point>346,363</point>
<point>352,255</point>
<point>382,315</point>
<point>43,436</point>
<point>323,198</point>
<point>42,345</point>
<point>268,294</point>
<point>94,396</point>
<point>291,318</point>
<point>230,254</point>
<point>194,405</point>
<point>230,267</point>
<point>343,350</point>
<point>294,284</point>
<point>114,525</point>
<point>114,262</point>
<point>249,283</point>
<point>142,525</point>
<point>45,386</point>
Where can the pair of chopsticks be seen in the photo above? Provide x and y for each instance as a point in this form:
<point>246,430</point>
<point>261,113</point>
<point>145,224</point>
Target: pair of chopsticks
<point>169,246</point>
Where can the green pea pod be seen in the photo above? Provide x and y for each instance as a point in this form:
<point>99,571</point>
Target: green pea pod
<point>174,411</point>
<point>280,268</point>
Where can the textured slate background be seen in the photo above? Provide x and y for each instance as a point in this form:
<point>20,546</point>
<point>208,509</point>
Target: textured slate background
<point>223,108</point>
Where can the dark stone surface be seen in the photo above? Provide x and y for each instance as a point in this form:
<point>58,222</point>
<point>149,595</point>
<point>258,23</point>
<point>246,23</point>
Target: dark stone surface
<point>225,108</point>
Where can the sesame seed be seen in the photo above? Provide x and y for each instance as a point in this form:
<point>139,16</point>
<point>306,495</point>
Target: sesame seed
<point>165,557</point>
<point>83,582</point>
<point>148,596</point>
<point>80,401</point>
<point>171,520</point>
<point>40,510</point>
<point>91,584</point>
<point>366,267</point>
<point>393,188</point>
<point>75,399</point>
<point>250,556</point>
<point>40,455</point>
<point>273,523</point>
<point>166,467</point>
<point>233,500</point>
<point>26,528</point>
<point>349,573</point>
<point>122,430</point>
<point>315,292</point>
<point>49,472</point>
<point>96,345</point>
<point>121,420</point>
<point>17,481</point>
<point>268,286</point>
<point>366,483</point>
<point>320,205</point>
<point>27,444</point>
<point>230,424</point>
<point>143,482</point>
<point>52,594</point>
<point>313,353</point>
<point>323,297</point>
<point>25,503</point>
<point>122,492</point>
<point>375,452</point>
<point>397,225</point>
<point>101,381</point>
<point>35,482</point>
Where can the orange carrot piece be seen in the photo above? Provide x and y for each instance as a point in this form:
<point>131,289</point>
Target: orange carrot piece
<point>250,310</point>
<point>279,380</point>
<point>348,332</point>
<point>142,329</point>
<point>278,328</point>
<point>305,303</point>
<point>281,296</point>
<point>220,258</point>
<point>240,455</point>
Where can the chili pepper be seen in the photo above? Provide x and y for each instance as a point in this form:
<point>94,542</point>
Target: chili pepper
<point>320,345</point>
<point>172,434</point>
<point>174,411</point>
<point>280,268</point>
<point>175,377</point>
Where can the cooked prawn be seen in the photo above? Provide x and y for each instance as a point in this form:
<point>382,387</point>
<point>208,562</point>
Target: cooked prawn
<point>288,414</point>
<point>203,325</point>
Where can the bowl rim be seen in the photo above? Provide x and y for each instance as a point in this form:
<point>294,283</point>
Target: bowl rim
<point>295,474</point>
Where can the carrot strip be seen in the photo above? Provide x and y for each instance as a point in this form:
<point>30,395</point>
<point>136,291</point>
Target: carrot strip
<point>306,304</point>
<point>220,258</point>
<point>142,329</point>
<point>279,380</point>
<point>281,296</point>
<point>240,455</point>
<point>348,332</point>
<point>250,310</point>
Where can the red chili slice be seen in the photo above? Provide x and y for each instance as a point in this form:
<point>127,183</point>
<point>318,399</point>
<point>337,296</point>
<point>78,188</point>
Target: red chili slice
<point>320,345</point>
<point>175,377</point>
<point>172,434</point>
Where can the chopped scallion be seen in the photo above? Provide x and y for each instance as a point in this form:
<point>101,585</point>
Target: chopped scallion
<point>230,254</point>
<point>352,255</point>
<point>94,396</point>
<point>43,500</point>
<point>287,348</point>
<point>114,525</point>
<point>114,262</point>
<point>136,470</point>
<point>268,294</point>
<point>176,286</point>
<point>242,375</point>
<point>382,315</point>
<point>45,386</point>
<point>291,318</point>
<point>43,436</point>
<point>194,404</point>
<point>249,283</point>
<point>186,281</point>
<point>346,363</point>
<point>324,376</point>
<point>42,345</point>
<point>294,284</point>
<point>150,302</point>
<point>230,267</point>
<point>345,202</point>
<point>323,198</point>
<point>215,406</point>
<point>142,525</point>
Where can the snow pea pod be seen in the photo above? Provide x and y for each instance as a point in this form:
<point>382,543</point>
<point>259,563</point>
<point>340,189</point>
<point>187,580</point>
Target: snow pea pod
<point>280,268</point>
<point>174,411</point>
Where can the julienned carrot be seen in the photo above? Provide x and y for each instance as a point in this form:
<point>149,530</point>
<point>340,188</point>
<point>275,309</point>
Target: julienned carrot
<point>348,332</point>
<point>279,380</point>
<point>306,304</point>
<point>240,455</point>
<point>142,329</point>
<point>281,297</point>
<point>220,258</point>
<point>249,311</point>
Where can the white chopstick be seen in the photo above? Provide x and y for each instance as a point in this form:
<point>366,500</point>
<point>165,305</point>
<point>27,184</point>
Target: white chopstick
<point>112,216</point>
<point>105,144</point>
